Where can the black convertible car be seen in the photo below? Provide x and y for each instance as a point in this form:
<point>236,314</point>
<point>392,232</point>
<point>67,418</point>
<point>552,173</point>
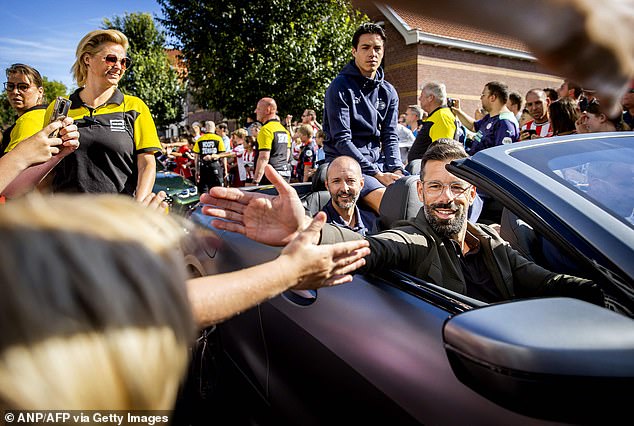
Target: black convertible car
<point>390,349</point>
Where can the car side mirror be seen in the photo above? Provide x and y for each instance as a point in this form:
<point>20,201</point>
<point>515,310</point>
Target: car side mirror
<point>557,359</point>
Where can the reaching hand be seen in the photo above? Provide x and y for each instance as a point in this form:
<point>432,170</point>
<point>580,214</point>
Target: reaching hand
<point>69,135</point>
<point>387,178</point>
<point>40,148</point>
<point>155,201</point>
<point>325,265</point>
<point>600,53</point>
<point>273,220</point>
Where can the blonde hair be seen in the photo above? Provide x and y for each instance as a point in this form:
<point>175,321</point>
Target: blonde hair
<point>306,130</point>
<point>240,133</point>
<point>93,308</point>
<point>91,44</point>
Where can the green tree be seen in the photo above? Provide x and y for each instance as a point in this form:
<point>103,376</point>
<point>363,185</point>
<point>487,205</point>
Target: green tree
<point>151,77</point>
<point>7,114</point>
<point>53,89</point>
<point>238,51</point>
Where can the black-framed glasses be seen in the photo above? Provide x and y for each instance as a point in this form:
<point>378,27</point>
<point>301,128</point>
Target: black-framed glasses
<point>10,87</point>
<point>113,59</point>
<point>434,188</point>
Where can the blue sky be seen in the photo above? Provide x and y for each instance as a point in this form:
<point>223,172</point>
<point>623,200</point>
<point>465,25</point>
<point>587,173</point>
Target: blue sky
<point>44,34</point>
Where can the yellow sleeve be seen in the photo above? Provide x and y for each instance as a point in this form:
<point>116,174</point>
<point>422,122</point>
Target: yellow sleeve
<point>26,126</point>
<point>265,138</point>
<point>145,136</point>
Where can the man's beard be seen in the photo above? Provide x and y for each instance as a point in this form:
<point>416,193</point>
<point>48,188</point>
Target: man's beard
<point>352,200</point>
<point>445,228</point>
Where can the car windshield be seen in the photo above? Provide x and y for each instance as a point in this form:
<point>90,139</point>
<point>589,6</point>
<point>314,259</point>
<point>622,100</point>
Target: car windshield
<point>602,170</point>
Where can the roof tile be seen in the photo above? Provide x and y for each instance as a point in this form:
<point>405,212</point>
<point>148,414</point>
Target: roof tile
<point>459,32</point>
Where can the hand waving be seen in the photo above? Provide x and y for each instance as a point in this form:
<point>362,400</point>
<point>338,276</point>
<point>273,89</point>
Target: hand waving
<point>323,265</point>
<point>269,219</point>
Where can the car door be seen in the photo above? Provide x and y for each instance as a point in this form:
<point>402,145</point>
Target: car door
<point>371,351</point>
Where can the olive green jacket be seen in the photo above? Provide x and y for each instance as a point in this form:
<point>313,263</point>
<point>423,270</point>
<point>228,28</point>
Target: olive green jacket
<point>416,249</point>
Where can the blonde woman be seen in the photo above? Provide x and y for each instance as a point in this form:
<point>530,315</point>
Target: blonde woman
<point>117,131</point>
<point>94,313</point>
<point>95,309</point>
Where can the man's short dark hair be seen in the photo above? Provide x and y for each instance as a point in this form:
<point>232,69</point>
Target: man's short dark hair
<point>551,93</point>
<point>575,87</point>
<point>516,99</point>
<point>222,126</point>
<point>499,89</point>
<point>367,28</point>
<point>444,149</point>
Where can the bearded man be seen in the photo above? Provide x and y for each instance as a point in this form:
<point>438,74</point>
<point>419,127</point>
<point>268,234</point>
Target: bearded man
<point>439,246</point>
<point>344,181</point>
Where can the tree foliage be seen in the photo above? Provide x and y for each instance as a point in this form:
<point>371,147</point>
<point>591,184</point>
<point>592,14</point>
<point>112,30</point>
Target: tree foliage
<point>238,51</point>
<point>7,114</point>
<point>151,76</point>
<point>53,89</point>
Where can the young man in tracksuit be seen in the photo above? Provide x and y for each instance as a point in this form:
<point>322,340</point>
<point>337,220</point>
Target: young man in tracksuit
<point>361,113</point>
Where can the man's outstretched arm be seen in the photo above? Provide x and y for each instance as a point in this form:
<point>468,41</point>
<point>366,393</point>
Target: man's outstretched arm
<point>302,265</point>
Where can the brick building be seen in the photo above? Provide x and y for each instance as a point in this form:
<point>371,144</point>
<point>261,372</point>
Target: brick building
<point>420,49</point>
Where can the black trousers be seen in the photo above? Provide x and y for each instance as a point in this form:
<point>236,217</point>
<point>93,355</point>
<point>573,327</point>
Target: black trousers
<point>211,174</point>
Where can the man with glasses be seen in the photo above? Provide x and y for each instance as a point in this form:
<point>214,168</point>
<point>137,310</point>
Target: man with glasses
<point>498,127</point>
<point>439,245</point>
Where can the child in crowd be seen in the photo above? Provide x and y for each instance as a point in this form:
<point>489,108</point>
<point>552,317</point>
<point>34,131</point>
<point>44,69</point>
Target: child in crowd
<point>249,158</point>
<point>237,170</point>
<point>307,153</point>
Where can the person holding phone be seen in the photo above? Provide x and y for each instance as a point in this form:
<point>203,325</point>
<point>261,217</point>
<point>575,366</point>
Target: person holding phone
<point>31,160</point>
<point>117,131</point>
<point>25,94</point>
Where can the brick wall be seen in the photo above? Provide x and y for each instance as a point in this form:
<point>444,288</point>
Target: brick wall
<point>408,67</point>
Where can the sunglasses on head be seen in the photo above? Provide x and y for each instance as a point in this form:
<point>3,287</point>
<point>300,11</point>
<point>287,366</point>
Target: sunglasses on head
<point>112,60</point>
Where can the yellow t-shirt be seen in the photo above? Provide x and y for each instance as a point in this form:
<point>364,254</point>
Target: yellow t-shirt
<point>26,126</point>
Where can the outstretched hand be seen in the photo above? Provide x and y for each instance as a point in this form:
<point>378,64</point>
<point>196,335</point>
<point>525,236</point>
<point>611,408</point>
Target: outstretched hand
<point>155,201</point>
<point>268,219</point>
<point>323,265</point>
<point>40,148</point>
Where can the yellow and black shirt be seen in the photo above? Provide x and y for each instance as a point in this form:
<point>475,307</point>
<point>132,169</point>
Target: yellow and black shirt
<point>25,126</point>
<point>208,144</point>
<point>275,138</point>
<point>441,123</point>
<point>111,136</point>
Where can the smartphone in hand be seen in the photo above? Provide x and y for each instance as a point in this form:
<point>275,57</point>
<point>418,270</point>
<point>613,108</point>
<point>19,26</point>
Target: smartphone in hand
<point>60,111</point>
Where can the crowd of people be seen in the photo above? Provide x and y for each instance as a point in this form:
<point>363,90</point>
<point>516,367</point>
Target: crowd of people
<point>109,291</point>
